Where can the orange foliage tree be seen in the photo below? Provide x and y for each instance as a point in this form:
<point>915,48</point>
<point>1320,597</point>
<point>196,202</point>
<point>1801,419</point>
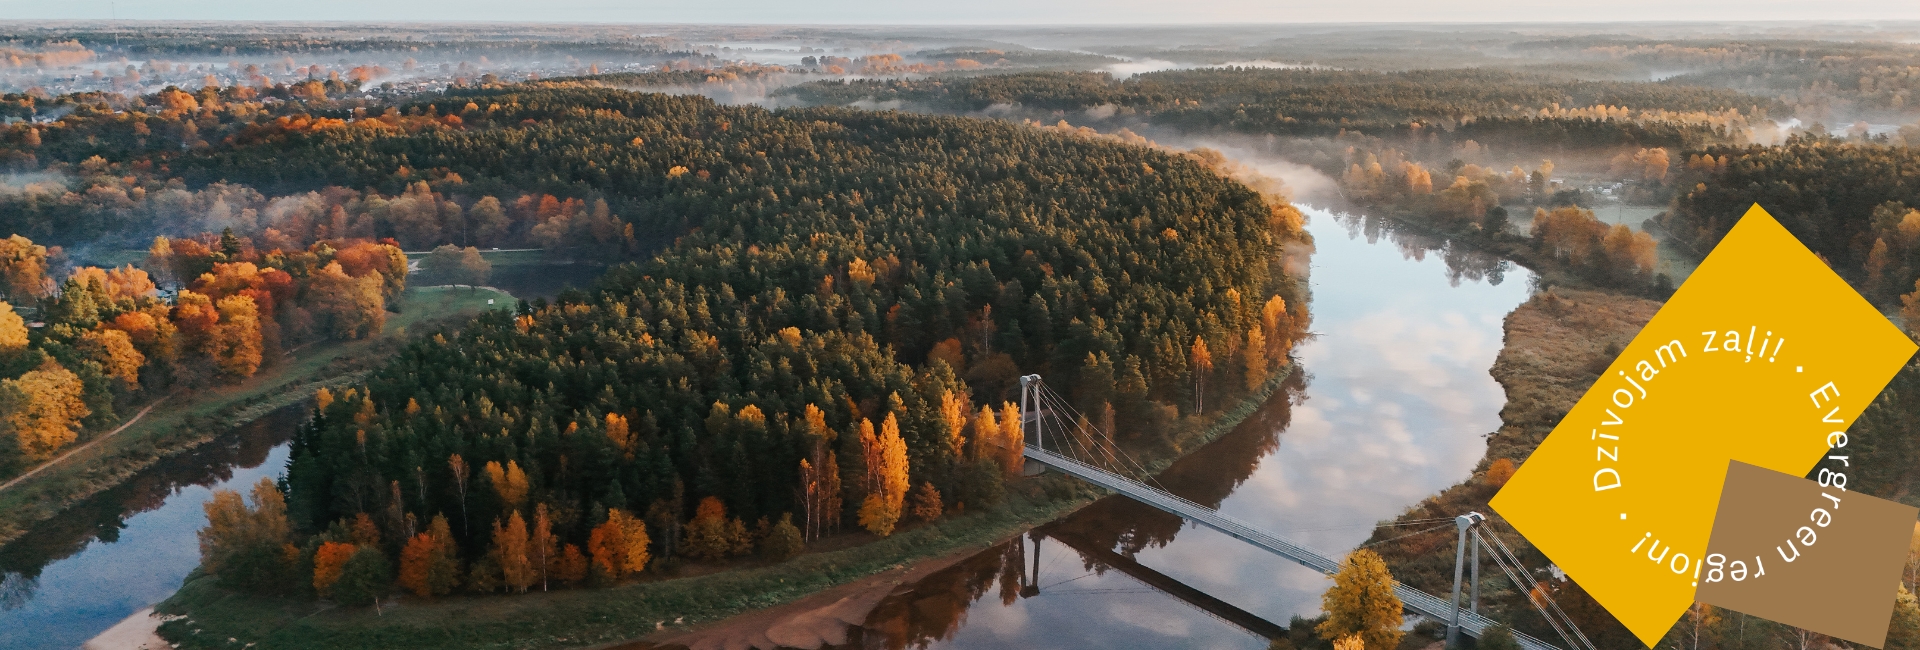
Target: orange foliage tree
<point>13,330</point>
<point>247,546</point>
<point>327,561</point>
<point>510,483</point>
<point>887,481</point>
<point>41,409</point>
<point>23,269</point>
<point>510,550</point>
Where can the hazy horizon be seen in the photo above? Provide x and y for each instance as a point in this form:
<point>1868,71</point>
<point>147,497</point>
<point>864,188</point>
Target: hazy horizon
<point>985,13</point>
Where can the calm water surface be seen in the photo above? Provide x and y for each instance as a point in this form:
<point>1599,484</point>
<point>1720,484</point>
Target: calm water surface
<point>74,576</point>
<point>1393,407</point>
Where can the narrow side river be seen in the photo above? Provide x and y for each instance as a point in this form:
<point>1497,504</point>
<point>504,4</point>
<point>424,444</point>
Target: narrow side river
<point>71,577</point>
<point>1390,408</point>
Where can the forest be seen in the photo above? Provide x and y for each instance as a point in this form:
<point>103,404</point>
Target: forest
<point>1819,79</point>
<point>1857,204</point>
<point>104,339</point>
<point>1487,105</point>
<point>848,329</point>
<point>824,315</point>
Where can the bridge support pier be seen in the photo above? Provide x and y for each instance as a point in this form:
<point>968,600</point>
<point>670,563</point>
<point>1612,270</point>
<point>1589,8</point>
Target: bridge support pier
<point>1473,576</point>
<point>1465,523</point>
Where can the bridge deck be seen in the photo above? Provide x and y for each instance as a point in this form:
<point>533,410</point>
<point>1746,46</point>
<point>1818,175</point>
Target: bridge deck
<point>1416,601</point>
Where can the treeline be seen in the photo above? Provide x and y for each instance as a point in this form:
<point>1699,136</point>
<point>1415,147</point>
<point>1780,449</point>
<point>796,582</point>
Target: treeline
<point>830,343</point>
<point>1563,239</point>
<point>1817,79</point>
<point>693,77</point>
<point>110,179</point>
<point>108,337</point>
<point>1514,107</point>
<point>1853,203</point>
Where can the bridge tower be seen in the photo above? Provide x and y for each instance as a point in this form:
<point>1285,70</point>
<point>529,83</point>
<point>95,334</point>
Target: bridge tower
<point>1465,523</point>
<point>1029,401</point>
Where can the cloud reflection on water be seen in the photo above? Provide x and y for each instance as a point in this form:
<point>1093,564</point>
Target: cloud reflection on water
<point>1394,410</point>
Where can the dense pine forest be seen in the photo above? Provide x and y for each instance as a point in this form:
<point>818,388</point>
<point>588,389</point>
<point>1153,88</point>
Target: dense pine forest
<point>825,336</point>
<point>849,273</point>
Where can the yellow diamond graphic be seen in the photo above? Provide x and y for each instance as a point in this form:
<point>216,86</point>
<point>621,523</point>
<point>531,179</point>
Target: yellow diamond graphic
<point>1760,356</point>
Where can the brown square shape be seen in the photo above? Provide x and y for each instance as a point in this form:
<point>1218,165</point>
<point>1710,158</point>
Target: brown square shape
<point>1842,585</point>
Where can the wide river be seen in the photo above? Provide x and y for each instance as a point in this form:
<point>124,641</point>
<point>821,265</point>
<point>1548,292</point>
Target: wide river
<point>1391,407</point>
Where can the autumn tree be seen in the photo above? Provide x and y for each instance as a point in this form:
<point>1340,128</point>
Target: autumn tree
<point>416,560</point>
<point>620,434</point>
<point>570,566</point>
<point>540,546</point>
<point>708,537</point>
<point>236,345</point>
<point>13,331</point>
<point>619,546</point>
<point>347,307</point>
<point>1904,631</point>
<point>449,264</point>
<point>510,550</point>
<point>1499,471</point>
<point>41,409</point>
<point>1255,358</point>
<point>1200,361</point>
<point>820,491</point>
<point>23,269</point>
<point>328,560</point>
<point>924,502</point>
<point>1362,603</point>
<point>247,545</point>
<point>430,563</point>
<point>114,350</point>
<point>509,483</point>
<point>1013,441</point>
<point>633,531</point>
<point>887,480</point>
<point>953,418</point>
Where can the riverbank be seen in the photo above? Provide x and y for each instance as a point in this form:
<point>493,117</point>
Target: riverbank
<point>1557,344</point>
<point>187,420</point>
<point>644,611</point>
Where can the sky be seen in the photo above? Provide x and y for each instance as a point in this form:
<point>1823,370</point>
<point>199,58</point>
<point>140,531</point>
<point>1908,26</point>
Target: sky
<point>970,12</point>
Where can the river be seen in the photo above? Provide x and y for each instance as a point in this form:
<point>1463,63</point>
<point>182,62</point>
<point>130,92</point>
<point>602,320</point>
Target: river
<point>1390,408</point>
<point>71,577</point>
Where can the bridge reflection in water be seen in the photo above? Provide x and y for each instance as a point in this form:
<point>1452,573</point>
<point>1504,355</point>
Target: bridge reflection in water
<point>1084,452</point>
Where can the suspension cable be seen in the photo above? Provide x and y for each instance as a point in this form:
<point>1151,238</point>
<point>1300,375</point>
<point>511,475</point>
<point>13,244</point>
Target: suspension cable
<point>1543,594</point>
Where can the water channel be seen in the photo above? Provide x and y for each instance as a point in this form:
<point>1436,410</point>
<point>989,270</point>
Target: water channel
<point>1390,408</point>
<point>1393,407</point>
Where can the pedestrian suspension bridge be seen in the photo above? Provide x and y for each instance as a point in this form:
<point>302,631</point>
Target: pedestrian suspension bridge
<point>1082,451</point>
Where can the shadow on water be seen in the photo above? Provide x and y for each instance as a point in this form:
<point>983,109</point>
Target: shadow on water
<point>935,608</point>
<point>531,281</point>
<point>65,541</point>
<point>1463,262</point>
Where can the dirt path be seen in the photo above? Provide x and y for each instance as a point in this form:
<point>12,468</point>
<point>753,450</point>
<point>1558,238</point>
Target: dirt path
<point>815,621</point>
<point>123,427</point>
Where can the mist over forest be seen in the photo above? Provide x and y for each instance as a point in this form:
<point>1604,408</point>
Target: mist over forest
<point>770,292</point>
